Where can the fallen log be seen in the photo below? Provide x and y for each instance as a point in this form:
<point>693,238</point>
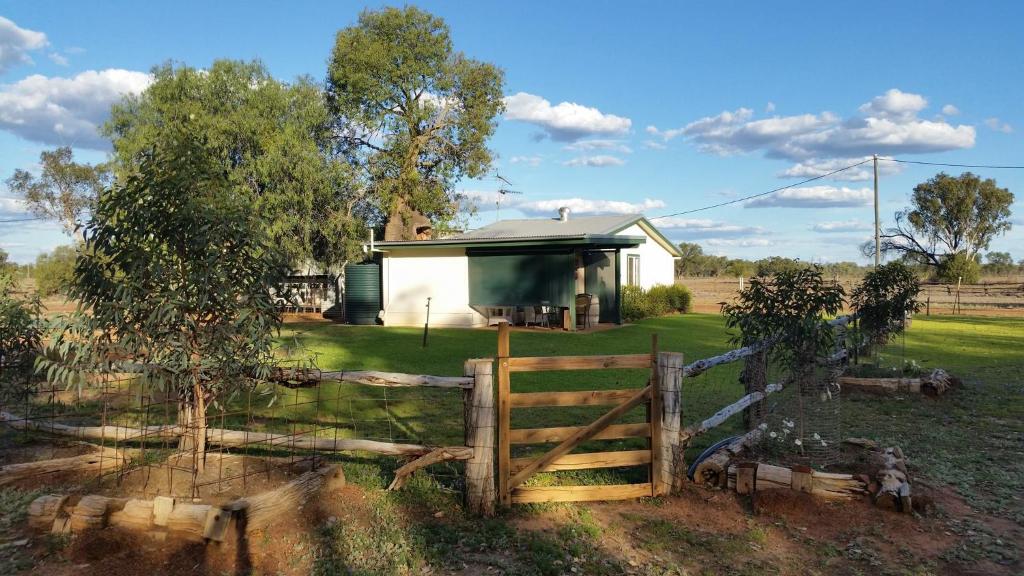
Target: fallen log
<point>911,385</point>
<point>104,459</point>
<point>190,520</point>
<point>435,456</point>
<point>769,477</point>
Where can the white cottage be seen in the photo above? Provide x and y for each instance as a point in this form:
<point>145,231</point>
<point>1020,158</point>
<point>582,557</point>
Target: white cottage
<point>537,271</point>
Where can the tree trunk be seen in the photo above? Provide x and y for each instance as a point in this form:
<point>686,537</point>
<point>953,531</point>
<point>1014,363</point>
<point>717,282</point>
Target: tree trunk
<point>192,420</point>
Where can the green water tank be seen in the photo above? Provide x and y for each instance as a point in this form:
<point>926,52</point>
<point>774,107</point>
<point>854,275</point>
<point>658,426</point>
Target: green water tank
<point>362,293</point>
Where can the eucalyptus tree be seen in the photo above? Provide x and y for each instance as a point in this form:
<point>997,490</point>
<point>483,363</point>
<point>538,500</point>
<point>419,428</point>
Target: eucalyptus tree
<point>64,190</point>
<point>172,280</point>
<point>951,220</point>
<point>414,112</point>
<point>272,139</point>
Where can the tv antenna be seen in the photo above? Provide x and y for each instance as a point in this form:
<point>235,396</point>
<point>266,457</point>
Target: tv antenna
<point>502,192</point>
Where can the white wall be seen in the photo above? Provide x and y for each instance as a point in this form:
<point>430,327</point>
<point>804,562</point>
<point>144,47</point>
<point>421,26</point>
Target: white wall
<point>657,265</point>
<point>411,275</point>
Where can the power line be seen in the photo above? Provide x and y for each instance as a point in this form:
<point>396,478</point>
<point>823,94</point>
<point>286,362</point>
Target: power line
<point>737,200</point>
<point>20,220</point>
<point>952,165</point>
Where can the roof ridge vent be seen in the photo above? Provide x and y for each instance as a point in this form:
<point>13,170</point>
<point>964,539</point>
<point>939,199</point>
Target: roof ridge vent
<point>563,213</point>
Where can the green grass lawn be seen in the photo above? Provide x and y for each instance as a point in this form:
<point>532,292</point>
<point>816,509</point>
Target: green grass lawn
<point>434,416</point>
<point>970,438</point>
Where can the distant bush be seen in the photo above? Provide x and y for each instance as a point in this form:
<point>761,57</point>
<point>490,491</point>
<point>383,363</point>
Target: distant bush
<point>54,271</point>
<point>959,266</point>
<point>638,303</point>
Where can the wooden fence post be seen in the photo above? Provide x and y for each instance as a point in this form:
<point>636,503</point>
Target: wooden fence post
<point>670,387</point>
<point>504,415</point>
<point>480,437</point>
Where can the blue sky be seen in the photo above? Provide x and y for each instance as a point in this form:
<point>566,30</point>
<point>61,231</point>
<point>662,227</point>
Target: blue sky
<point>660,107</point>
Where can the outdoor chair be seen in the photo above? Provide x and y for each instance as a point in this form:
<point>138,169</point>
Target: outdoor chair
<point>583,310</point>
<point>543,315</point>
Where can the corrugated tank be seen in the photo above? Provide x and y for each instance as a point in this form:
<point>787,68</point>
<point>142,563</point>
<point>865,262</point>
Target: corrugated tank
<point>362,293</point>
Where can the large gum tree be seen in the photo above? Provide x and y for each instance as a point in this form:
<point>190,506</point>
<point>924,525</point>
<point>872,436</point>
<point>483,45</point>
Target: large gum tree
<point>414,112</point>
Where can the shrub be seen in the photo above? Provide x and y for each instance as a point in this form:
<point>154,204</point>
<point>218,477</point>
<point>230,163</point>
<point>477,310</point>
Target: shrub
<point>658,300</point>
<point>959,266</point>
<point>679,298</point>
<point>638,303</point>
<point>54,271</point>
<point>19,325</point>
<point>884,298</point>
<point>635,304</point>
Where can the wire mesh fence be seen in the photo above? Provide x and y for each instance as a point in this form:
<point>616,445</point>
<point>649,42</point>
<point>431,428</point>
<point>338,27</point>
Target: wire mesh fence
<point>252,438</point>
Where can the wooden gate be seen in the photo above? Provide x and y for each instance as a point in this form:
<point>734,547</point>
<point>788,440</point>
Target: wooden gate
<point>512,472</point>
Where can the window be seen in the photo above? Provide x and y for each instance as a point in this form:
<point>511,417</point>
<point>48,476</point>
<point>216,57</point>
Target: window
<point>633,270</point>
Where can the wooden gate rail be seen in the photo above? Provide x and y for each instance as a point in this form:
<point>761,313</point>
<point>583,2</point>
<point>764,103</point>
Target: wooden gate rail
<point>663,406</point>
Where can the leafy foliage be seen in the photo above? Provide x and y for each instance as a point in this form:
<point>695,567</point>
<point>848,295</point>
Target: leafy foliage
<point>272,139</point>
<point>787,309</point>
<point>54,272</point>
<point>949,215</point>
<point>884,298</point>
<point>638,303</point>
<point>1000,263</point>
<point>416,112</point>
<point>174,277</point>
<point>958,267</point>
<point>19,324</point>
<point>64,190</point>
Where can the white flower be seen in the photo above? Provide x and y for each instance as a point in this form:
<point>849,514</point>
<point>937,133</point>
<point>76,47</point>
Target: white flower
<point>772,434</point>
<point>788,423</point>
<point>763,426</point>
<point>823,443</point>
<point>798,442</point>
<point>816,436</point>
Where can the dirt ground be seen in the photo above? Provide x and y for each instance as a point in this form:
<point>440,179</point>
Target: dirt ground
<point>699,531</point>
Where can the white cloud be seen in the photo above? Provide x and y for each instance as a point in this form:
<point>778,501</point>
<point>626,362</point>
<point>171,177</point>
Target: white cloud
<point>814,197</point>
<point>599,144</point>
<point>770,107</point>
<point>58,58</point>
<point>532,161</point>
<point>599,161</point>
<point>566,121</point>
<point>895,104</point>
<point>819,167</point>
<point>585,206</point>
<point>700,227</point>
<point>16,43</point>
<point>888,124</point>
<point>738,242</point>
<point>66,111</point>
<point>654,145</point>
<point>950,110</point>
<point>10,205</point>
<point>841,226</point>
<point>998,125</point>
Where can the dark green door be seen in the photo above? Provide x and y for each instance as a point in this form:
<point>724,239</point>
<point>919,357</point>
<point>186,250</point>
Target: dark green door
<point>599,278</point>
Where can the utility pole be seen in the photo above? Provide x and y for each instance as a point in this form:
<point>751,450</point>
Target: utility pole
<point>878,242</point>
